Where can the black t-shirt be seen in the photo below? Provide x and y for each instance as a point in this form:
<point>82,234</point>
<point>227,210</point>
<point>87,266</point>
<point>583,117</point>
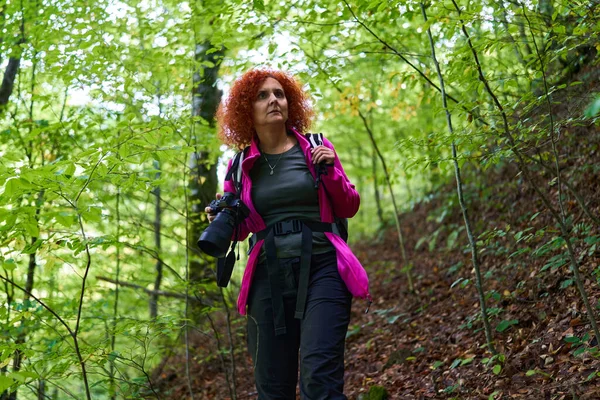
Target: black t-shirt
<point>287,194</point>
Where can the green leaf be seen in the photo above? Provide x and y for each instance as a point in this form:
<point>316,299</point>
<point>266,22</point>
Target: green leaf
<point>259,5</point>
<point>579,351</point>
<point>504,325</point>
<point>556,262</point>
<point>566,283</point>
<point>31,228</point>
<point>70,170</point>
<point>456,282</point>
<point>466,361</point>
<point>493,395</point>
<point>32,248</point>
<point>592,376</point>
<point>593,109</point>
<point>497,368</point>
<point>452,239</point>
<point>433,240</point>
<point>394,318</point>
<point>66,218</point>
<point>9,222</point>
<point>9,265</point>
<point>421,240</point>
<point>92,214</point>
<point>11,187</point>
<point>113,355</point>
<point>534,216</point>
<point>24,375</point>
<point>5,382</point>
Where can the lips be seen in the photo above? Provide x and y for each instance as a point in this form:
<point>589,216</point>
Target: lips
<point>274,111</point>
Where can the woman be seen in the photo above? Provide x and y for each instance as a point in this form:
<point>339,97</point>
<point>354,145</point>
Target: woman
<point>300,277</point>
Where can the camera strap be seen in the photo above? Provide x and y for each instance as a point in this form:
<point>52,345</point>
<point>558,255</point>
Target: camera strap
<point>225,264</point>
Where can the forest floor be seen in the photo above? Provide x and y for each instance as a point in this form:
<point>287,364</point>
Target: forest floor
<point>430,343</point>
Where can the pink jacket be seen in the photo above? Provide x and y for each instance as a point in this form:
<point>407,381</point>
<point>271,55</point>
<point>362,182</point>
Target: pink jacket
<point>346,201</point>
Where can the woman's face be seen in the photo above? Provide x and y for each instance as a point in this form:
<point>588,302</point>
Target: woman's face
<point>270,104</point>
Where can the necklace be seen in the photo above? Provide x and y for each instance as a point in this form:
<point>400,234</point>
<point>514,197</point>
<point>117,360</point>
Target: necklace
<point>272,167</point>
<point>276,162</point>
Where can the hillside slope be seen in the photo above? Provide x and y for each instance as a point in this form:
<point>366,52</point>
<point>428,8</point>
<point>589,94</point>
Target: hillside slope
<point>430,344</point>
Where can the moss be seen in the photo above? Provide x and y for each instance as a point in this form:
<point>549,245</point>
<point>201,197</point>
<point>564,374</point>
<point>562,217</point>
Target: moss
<point>377,393</point>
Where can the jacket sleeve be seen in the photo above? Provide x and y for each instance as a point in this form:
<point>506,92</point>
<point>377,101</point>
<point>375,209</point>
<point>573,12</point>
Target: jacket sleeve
<point>243,230</point>
<point>344,197</point>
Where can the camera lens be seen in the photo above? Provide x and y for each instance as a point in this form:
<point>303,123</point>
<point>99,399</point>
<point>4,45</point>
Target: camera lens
<point>215,240</point>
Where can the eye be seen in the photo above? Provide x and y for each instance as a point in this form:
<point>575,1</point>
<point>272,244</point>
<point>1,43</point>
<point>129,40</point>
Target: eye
<point>279,94</point>
<point>262,95</point>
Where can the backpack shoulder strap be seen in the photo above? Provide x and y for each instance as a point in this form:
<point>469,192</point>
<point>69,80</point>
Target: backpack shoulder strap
<point>315,139</point>
<point>235,172</point>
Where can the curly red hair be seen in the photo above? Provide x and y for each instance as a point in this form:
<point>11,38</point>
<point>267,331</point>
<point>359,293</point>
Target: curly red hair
<point>234,115</point>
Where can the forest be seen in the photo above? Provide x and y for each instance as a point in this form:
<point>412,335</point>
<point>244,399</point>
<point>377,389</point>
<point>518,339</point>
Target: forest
<point>471,132</point>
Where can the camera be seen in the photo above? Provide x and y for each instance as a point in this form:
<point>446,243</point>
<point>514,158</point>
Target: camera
<point>231,211</point>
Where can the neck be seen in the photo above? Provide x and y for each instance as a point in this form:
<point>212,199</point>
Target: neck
<point>273,140</point>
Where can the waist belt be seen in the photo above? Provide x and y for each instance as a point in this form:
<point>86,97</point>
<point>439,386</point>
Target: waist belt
<point>275,273</point>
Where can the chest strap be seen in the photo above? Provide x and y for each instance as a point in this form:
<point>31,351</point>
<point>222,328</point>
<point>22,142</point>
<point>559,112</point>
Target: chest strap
<point>276,274</point>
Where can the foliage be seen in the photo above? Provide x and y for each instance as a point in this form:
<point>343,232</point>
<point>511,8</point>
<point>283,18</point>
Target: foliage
<point>101,115</point>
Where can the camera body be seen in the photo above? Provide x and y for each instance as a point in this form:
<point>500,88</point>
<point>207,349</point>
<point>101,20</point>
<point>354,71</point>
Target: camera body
<point>231,211</point>
<point>229,202</point>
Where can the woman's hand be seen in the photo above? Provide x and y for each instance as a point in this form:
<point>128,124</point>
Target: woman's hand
<point>323,154</point>
<point>209,214</point>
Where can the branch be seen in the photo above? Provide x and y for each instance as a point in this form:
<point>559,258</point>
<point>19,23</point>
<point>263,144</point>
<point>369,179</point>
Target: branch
<point>525,170</point>
<point>80,308</point>
<point>155,256</point>
<point>431,83</point>
<point>461,200</point>
<point>87,182</point>
<point>150,292</point>
<point>62,321</point>
<point>40,302</point>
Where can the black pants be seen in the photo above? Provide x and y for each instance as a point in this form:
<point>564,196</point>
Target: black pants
<point>320,336</point>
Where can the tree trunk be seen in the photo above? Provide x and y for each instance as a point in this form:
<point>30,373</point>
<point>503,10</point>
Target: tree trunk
<point>14,62</point>
<point>159,264</point>
<point>459,189</point>
<point>41,395</point>
<point>29,283</point>
<point>376,188</point>
<point>202,181</point>
<point>8,81</point>
<point>203,166</point>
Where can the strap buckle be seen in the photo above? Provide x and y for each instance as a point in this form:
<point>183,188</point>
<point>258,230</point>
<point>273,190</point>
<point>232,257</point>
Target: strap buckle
<point>287,227</point>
